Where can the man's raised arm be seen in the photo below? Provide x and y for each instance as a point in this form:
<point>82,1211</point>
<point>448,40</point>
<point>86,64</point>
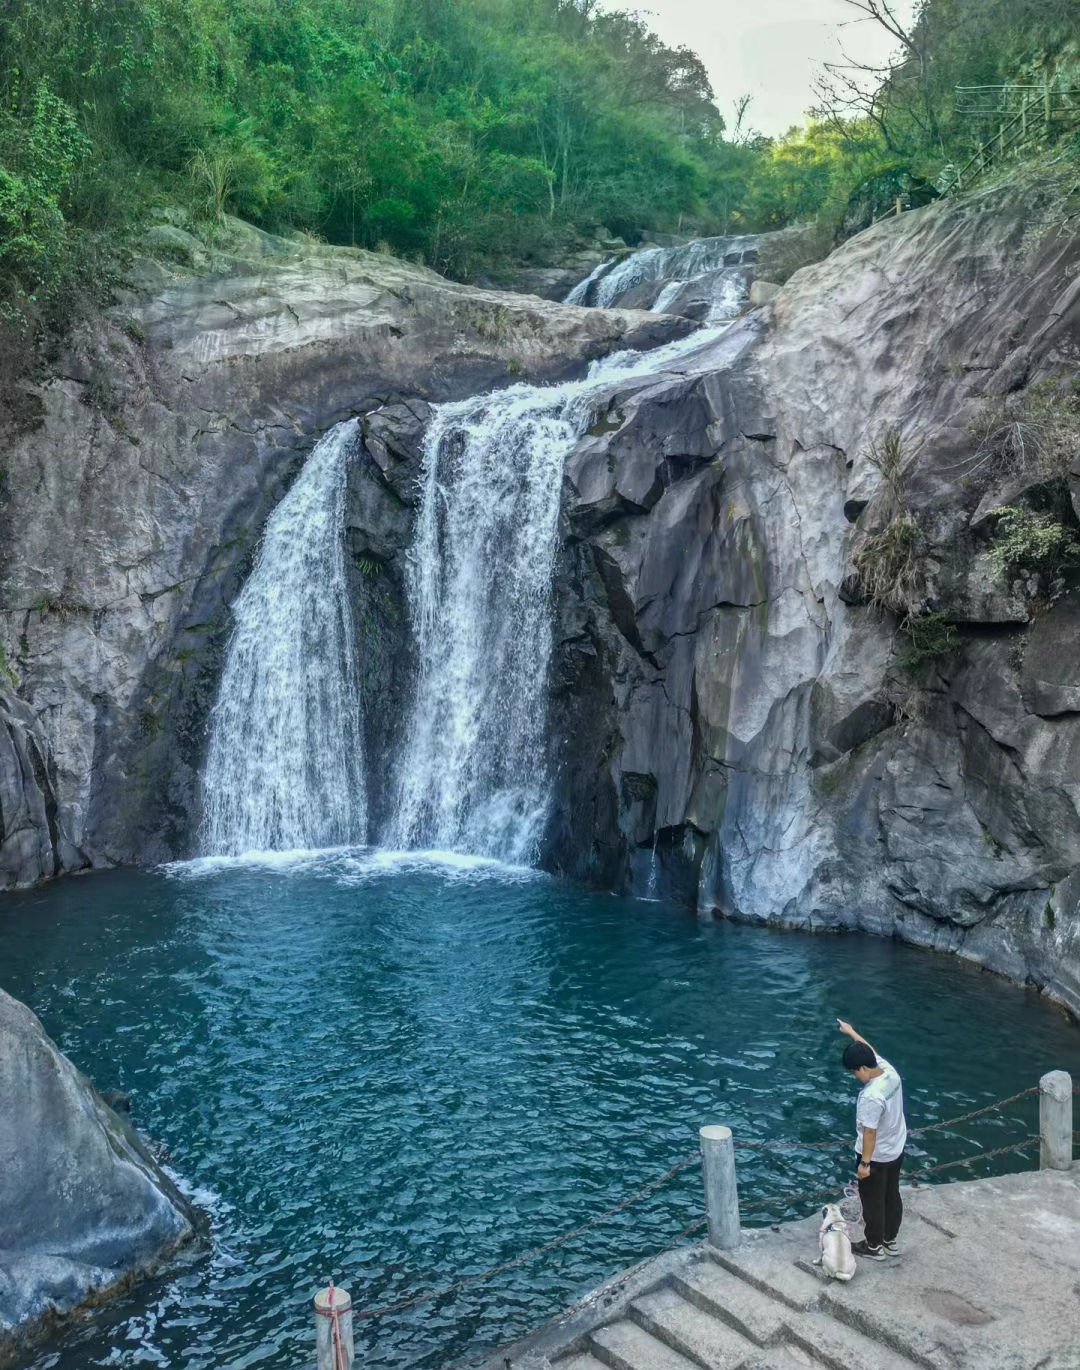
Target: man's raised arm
<point>849,1031</point>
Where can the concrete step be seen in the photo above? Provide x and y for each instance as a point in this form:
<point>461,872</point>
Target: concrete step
<point>717,1291</point>
<point>784,1358</point>
<point>840,1347</point>
<point>697,1335</point>
<point>625,1346</point>
<point>779,1277</point>
<point>579,1360</point>
<point>914,1326</point>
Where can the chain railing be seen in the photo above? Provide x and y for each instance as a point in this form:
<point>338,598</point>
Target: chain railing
<point>1055,1118</point>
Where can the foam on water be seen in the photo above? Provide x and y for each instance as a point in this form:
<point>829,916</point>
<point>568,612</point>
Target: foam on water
<point>350,865</point>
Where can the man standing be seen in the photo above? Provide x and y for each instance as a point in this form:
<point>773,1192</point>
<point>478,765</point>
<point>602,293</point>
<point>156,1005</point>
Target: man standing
<point>881,1135</point>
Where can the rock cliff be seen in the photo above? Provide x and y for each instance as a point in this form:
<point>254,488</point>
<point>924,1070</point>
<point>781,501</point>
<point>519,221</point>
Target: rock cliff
<point>131,512</point>
<point>806,672</point>
<point>735,718</point>
<point>83,1207</point>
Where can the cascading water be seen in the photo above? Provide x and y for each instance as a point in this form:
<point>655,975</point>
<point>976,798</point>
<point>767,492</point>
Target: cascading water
<point>607,283</point>
<point>285,768</point>
<point>285,765</point>
<point>473,773</point>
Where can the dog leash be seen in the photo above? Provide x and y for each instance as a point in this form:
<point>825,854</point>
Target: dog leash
<point>851,1198</point>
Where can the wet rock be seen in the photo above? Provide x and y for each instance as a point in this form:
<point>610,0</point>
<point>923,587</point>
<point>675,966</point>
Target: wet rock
<point>763,292</point>
<point>83,1207</point>
<point>33,843</point>
<point>732,718</point>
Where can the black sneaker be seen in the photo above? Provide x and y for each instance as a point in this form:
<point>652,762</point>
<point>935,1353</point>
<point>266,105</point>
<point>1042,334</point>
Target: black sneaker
<point>891,1248</point>
<point>872,1253</point>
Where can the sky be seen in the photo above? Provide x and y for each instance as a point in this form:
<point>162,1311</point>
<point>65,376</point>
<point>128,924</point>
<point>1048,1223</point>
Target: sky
<point>769,48</point>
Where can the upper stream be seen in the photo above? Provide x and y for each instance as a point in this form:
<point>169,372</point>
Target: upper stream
<point>396,1071</point>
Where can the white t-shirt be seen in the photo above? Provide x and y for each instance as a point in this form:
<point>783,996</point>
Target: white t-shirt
<point>881,1106</point>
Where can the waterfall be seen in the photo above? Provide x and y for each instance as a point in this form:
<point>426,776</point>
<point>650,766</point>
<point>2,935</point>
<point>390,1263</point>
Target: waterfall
<point>285,764</point>
<point>607,283</point>
<point>667,296</point>
<point>473,772</point>
<point>580,292</point>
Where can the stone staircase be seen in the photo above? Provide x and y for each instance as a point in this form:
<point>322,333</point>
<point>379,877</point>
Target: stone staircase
<point>732,1312</point>
<point>989,1280</point>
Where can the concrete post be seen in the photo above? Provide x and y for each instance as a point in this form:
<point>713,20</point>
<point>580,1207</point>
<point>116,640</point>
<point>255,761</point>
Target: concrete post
<point>721,1191</point>
<point>1055,1121</point>
<point>333,1352</point>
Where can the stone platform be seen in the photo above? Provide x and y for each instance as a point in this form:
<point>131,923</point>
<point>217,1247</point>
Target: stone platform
<point>988,1279</point>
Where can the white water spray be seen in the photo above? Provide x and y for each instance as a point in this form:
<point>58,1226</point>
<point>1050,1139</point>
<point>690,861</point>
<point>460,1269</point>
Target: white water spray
<point>473,774</point>
<point>285,766</point>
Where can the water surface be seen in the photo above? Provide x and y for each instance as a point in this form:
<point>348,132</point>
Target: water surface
<point>398,1071</point>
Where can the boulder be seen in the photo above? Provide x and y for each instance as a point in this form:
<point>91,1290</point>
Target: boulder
<point>84,1209</point>
<point>763,292</point>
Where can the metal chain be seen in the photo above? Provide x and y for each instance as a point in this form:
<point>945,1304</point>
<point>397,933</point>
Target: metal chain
<point>820,1194</point>
<point>980,1156</point>
<point>786,1145</point>
<point>976,1113</point>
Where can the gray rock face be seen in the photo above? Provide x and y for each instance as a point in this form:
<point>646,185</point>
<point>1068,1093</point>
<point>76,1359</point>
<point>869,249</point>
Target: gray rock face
<point>732,719</point>
<point>32,847</point>
<point>83,1207</point>
<point>131,514</point>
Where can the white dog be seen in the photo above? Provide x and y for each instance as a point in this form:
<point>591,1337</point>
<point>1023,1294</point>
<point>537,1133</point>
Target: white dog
<point>836,1259</point>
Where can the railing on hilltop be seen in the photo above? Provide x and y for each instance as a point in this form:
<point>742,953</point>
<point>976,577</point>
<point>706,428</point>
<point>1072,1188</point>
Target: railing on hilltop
<point>1026,114</point>
<point>334,1312</point>
<point>1056,103</point>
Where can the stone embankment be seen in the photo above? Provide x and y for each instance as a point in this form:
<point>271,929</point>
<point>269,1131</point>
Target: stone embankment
<point>986,1281</point>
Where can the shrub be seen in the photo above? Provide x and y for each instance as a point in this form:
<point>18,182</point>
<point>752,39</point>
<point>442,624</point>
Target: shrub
<point>1035,433</point>
<point>888,455</point>
<point>889,565</point>
<point>930,637</point>
<point>39,155</point>
<point>1039,543</point>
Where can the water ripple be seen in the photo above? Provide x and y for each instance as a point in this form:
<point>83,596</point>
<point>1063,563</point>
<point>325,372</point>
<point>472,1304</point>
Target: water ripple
<point>400,1068</point>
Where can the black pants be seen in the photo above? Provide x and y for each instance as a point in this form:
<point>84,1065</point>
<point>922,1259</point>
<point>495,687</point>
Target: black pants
<point>882,1207</point>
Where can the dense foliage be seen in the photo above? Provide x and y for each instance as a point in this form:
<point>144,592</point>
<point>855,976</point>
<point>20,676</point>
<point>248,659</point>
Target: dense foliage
<point>461,132</point>
<point>903,127</point>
